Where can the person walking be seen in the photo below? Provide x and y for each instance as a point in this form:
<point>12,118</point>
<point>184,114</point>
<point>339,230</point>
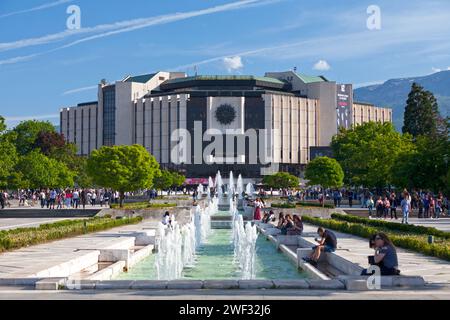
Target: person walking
<point>393,201</point>
<point>52,199</point>
<point>350,198</point>
<point>258,205</point>
<point>370,205</point>
<point>439,205</point>
<point>83,198</point>
<point>42,198</point>
<point>426,205</point>
<point>379,207</point>
<point>406,207</point>
<point>386,207</point>
<point>93,197</point>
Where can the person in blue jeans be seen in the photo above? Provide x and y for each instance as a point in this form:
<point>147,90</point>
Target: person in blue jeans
<point>326,243</point>
<point>406,207</point>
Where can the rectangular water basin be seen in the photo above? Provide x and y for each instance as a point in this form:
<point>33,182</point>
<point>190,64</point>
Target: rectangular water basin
<point>215,261</point>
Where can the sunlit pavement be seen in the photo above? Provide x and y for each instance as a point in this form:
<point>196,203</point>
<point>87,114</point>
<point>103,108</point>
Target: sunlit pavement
<point>429,293</point>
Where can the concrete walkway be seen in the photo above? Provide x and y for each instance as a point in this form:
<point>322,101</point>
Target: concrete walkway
<point>356,249</point>
<point>27,262</point>
<point>431,293</point>
<point>14,223</point>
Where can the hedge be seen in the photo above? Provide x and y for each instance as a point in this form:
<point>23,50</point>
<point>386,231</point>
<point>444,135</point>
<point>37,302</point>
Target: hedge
<point>283,205</point>
<point>24,237</point>
<point>143,205</point>
<point>315,204</point>
<point>410,242</point>
<point>409,228</point>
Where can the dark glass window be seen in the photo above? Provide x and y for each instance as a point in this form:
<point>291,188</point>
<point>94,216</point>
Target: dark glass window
<point>109,115</point>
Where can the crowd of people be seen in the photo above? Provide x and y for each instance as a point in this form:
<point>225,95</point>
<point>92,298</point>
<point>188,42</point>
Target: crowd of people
<point>61,198</point>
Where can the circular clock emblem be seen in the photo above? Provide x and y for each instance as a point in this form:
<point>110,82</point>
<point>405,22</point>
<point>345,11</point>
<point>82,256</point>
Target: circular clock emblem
<point>225,114</point>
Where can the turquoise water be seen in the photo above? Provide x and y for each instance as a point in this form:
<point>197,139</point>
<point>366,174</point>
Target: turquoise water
<point>214,261</point>
<point>222,213</point>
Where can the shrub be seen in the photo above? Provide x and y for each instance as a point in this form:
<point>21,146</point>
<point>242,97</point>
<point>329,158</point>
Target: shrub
<point>143,205</point>
<point>418,243</point>
<point>409,228</point>
<point>284,205</point>
<point>314,204</point>
<point>24,237</point>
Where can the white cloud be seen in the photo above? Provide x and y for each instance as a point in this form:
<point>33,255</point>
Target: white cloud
<point>79,90</point>
<point>322,65</point>
<point>41,7</point>
<point>106,30</point>
<point>448,68</point>
<point>233,63</point>
<point>436,69</point>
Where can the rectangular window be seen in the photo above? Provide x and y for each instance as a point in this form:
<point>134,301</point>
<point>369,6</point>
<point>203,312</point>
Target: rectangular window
<point>109,115</point>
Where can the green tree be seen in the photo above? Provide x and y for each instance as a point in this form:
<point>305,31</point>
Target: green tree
<point>163,181</point>
<point>281,180</point>
<point>122,168</point>
<point>422,113</point>
<point>325,172</point>
<point>8,155</point>
<point>424,167</point>
<point>39,171</point>
<point>27,132</point>
<point>367,153</point>
<point>177,179</point>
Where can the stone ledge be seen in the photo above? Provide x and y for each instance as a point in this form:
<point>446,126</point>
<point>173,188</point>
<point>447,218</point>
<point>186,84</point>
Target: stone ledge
<point>360,282</point>
<point>291,284</point>
<point>114,284</point>
<point>149,284</point>
<point>326,284</point>
<point>221,284</point>
<point>19,281</point>
<point>49,284</point>
<point>256,284</point>
<point>185,284</point>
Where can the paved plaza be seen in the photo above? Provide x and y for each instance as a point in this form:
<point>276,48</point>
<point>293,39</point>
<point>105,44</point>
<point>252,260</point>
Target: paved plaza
<point>356,250</point>
<point>27,262</point>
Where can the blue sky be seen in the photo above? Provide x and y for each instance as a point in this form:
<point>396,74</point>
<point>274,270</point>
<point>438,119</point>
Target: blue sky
<point>44,67</point>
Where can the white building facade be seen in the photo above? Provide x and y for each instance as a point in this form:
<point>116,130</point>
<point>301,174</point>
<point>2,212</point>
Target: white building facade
<point>202,124</point>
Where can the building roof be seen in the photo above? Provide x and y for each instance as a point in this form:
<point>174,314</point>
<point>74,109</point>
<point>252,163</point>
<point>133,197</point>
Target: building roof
<point>144,78</point>
<point>87,103</point>
<point>228,82</point>
<point>223,78</point>
<point>311,79</point>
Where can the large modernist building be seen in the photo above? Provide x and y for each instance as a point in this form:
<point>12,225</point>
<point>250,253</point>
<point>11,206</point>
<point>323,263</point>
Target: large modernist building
<point>201,124</point>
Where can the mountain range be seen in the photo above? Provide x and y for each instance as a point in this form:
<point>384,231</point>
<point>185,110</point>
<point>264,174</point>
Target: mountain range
<point>394,93</point>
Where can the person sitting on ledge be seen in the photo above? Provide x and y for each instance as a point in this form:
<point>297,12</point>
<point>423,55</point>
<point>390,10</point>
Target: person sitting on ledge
<point>287,225</point>
<point>280,220</point>
<point>268,217</point>
<point>327,243</point>
<point>297,228</point>
<point>385,256</point>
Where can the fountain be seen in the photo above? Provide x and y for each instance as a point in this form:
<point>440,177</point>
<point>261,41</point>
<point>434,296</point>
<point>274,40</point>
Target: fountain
<point>244,239</point>
<point>210,187</point>
<point>250,190</point>
<point>240,191</point>
<point>223,199</point>
<point>177,244</point>
<point>200,191</point>
<point>225,248</point>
